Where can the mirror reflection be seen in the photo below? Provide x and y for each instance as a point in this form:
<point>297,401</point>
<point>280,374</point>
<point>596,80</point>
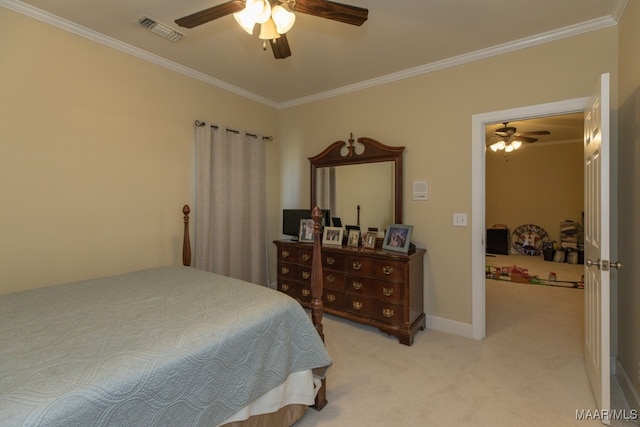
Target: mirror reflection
<point>370,186</point>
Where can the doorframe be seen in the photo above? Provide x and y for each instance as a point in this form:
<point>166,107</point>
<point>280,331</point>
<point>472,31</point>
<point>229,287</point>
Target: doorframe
<point>478,191</point>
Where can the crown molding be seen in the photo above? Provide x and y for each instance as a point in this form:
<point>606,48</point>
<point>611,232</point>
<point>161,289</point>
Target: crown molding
<point>570,31</point>
<point>562,33</point>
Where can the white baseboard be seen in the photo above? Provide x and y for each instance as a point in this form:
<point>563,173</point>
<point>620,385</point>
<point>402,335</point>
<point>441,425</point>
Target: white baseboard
<point>450,326</point>
<point>628,388</point>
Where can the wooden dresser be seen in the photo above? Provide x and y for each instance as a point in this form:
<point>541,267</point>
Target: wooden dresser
<point>373,287</point>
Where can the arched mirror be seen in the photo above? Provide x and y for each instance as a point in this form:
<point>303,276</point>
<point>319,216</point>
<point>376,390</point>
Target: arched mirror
<point>360,182</point>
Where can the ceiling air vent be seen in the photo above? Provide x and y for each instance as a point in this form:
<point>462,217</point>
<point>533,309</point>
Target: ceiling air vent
<point>160,29</point>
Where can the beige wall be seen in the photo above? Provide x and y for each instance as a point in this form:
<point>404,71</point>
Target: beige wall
<point>96,155</point>
<point>537,184</point>
<point>629,204</point>
<point>431,115</point>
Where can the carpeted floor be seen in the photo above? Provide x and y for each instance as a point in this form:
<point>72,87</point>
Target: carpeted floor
<point>528,371</point>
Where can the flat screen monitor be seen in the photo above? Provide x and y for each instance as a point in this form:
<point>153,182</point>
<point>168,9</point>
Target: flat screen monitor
<point>291,220</point>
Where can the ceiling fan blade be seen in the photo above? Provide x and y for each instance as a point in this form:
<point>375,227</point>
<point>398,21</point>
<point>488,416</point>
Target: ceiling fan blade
<point>536,132</point>
<point>210,14</point>
<point>505,130</point>
<point>526,139</point>
<point>280,47</point>
<point>331,10</point>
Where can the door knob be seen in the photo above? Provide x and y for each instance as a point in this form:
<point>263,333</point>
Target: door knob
<point>595,263</point>
<point>617,265</point>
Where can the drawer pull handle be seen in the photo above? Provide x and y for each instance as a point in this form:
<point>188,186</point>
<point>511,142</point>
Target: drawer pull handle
<point>357,265</point>
<point>387,312</point>
<point>331,278</point>
<point>387,292</point>
<point>331,297</point>
<point>357,285</point>
<point>357,305</point>
<point>306,275</point>
<point>331,260</point>
<point>285,270</point>
<point>285,287</point>
<point>387,269</point>
<point>285,254</point>
<point>306,292</point>
<point>306,257</point>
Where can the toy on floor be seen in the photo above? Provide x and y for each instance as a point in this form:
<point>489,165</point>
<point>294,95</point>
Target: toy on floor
<point>521,275</point>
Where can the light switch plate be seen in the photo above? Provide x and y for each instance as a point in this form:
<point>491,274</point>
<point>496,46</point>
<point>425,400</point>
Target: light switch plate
<point>460,219</point>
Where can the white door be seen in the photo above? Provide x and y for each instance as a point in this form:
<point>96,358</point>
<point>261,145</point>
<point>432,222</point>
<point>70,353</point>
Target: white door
<point>596,244</point>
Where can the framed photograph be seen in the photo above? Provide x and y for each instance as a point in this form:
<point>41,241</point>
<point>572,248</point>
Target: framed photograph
<point>370,239</point>
<point>397,238</point>
<point>332,236</point>
<point>354,238</point>
<point>306,230</point>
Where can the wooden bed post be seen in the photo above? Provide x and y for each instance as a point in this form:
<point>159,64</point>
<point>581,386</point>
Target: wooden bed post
<point>186,244</point>
<point>317,306</point>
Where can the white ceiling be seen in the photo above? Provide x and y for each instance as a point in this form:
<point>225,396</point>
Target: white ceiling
<point>401,38</point>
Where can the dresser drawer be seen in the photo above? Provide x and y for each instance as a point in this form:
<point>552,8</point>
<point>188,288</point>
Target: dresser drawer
<point>289,287</point>
<point>287,270</point>
<point>296,290</point>
<point>384,269</point>
<point>390,292</point>
<point>306,256</point>
<point>333,261</point>
<point>288,254</point>
<point>334,280</point>
<point>333,299</point>
<point>373,309</point>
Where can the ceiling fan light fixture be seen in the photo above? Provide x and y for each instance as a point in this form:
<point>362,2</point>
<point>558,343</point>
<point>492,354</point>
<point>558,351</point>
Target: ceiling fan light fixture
<point>494,147</point>
<point>283,18</point>
<point>260,10</point>
<point>516,144</point>
<point>508,148</point>
<point>245,20</point>
<point>268,31</point>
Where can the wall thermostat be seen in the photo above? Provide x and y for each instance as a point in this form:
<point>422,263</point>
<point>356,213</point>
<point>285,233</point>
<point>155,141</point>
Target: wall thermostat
<point>420,190</point>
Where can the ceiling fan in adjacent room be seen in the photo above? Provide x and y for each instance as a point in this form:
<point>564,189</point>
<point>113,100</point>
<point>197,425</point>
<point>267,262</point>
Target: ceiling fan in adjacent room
<point>275,17</point>
<point>509,139</point>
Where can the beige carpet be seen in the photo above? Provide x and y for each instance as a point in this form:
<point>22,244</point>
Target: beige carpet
<point>529,371</point>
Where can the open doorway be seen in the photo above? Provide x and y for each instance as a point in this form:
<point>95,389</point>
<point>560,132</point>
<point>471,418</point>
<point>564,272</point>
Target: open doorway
<point>534,199</point>
<point>479,123</point>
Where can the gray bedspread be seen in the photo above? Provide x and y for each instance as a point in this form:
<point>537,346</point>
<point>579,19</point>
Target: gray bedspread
<point>171,346</point>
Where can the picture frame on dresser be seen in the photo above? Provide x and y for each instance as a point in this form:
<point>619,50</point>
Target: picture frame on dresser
<point>353,239</point>
<point>398,238</point>
<point>306,231</point>
<point>370,240</point>
<point>332,236</point>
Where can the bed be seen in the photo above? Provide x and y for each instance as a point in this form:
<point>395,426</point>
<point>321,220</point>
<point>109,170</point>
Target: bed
<point>168,346</point>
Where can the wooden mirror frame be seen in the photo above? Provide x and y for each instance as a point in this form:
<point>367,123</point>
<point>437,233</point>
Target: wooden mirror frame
<point>374,152</point>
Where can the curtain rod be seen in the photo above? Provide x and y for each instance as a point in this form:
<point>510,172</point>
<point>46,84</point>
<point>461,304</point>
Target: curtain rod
<point>264,138</point>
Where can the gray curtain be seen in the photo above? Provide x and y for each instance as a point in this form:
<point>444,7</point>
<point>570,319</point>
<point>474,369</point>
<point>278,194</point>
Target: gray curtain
<point>230,225</point>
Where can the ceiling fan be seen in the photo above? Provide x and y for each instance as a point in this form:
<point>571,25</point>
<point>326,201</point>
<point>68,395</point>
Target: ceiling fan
<point>510,139</point>
<point>246,13</point>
